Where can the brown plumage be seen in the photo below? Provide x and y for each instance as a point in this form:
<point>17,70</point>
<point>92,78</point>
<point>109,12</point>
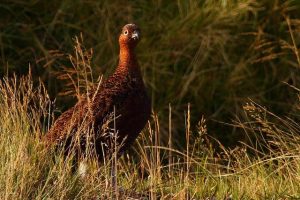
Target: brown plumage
<point>123,91</point>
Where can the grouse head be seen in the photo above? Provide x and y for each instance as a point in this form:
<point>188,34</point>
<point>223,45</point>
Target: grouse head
<point>129,36</point>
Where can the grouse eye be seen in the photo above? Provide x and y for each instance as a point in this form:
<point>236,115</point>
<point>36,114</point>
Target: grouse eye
<point>125,32</point>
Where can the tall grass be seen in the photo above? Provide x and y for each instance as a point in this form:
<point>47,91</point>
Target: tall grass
<point>267,168</point>
<point>227,58</point>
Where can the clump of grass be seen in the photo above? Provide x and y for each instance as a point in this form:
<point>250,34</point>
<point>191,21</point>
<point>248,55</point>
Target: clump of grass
<point>27,169</point>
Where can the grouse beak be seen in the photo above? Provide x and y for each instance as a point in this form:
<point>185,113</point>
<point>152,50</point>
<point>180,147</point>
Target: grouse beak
<point>135,35</point>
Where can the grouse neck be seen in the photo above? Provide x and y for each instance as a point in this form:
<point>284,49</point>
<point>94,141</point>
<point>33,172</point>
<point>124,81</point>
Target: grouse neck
<point>127,58</point>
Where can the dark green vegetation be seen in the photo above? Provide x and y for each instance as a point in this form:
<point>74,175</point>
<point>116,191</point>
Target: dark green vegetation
<point>214,54</point>
<point>236,62</point>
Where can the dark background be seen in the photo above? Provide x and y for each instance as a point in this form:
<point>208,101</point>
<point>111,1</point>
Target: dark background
<point>215,55</point>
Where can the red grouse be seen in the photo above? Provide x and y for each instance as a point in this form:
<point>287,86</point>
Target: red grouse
<point>121,102</point>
